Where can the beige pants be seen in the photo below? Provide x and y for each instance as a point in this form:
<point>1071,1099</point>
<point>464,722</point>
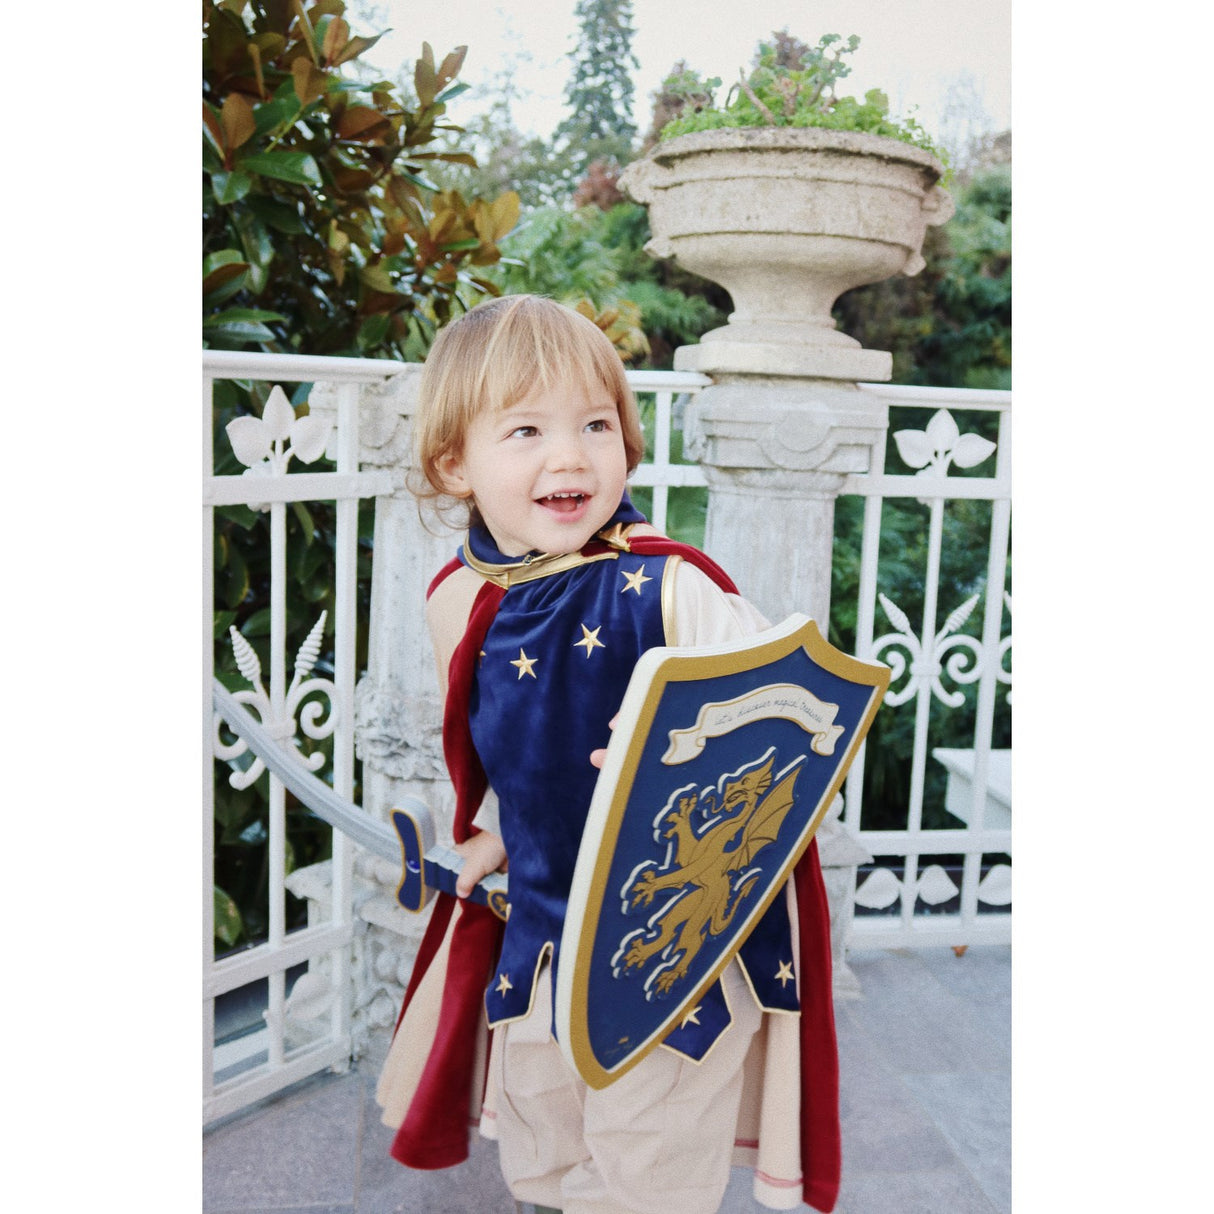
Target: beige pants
<point>657,1141</point>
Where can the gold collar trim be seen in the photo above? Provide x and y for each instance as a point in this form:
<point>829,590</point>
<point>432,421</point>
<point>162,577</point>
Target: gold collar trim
<point>545,564</point>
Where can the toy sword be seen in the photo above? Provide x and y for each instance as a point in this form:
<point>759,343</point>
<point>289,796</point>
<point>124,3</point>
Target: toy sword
<point>426,866</point>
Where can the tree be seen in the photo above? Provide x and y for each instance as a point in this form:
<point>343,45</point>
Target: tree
<point>600,90</point>
<point>675,95</point>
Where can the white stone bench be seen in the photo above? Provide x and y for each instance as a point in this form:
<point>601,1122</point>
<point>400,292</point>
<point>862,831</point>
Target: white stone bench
<point>959,795</point>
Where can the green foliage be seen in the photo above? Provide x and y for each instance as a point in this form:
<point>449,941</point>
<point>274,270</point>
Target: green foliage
<point>228,922</point>
<point>788,87</point>
<point>507,159</point>
<point>599,255</point>
<point>600,89</point>
<point>321,232</point>
<point>561,254</point>
<point>950,325</point>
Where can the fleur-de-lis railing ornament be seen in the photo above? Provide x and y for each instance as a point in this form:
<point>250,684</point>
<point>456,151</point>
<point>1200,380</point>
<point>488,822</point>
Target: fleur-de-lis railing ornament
<point>964,664</point>
<point>266,444</point>
<point>314,721</point>
<point>931,451</point>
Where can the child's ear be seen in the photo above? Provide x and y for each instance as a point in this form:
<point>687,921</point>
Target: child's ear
<point>450,469</point>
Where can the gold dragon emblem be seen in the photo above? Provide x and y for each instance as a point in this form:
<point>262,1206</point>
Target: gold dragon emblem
<point>710,869</point>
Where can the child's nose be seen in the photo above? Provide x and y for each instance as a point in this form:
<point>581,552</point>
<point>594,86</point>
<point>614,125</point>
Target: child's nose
<point>566,453</point>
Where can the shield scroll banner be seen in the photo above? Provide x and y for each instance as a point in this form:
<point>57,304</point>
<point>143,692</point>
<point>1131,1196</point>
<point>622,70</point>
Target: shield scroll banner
<point>723,764</point>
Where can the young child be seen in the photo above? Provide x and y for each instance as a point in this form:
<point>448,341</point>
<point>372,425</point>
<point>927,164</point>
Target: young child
<point>526,417</point>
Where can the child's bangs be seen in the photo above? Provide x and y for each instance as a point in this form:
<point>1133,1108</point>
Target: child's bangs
<point>540,348</point>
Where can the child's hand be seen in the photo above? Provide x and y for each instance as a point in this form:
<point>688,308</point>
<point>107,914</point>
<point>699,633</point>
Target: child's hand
<point>483,854</point>
<point>597,756</point>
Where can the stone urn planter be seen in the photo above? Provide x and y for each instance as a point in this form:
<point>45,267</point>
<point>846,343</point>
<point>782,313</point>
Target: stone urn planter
<point>786,219</point>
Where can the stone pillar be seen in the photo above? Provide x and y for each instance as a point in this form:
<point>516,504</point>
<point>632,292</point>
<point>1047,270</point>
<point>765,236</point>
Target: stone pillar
<point>398,715</point>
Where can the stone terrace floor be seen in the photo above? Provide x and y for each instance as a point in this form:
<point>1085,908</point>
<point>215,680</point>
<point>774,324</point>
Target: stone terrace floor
<point>926,1102</point>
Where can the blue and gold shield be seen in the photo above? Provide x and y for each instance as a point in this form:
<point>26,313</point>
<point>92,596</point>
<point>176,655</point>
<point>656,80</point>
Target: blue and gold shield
<point>722,766</point>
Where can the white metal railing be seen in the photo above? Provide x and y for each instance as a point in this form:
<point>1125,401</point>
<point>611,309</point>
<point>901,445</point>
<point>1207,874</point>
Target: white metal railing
<point>909,897</point>
<point>256,1064</point>
<point>659,473</point>
<point>927,903</point>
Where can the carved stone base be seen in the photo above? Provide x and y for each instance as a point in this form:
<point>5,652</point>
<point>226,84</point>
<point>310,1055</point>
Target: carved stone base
<point>386,940</point>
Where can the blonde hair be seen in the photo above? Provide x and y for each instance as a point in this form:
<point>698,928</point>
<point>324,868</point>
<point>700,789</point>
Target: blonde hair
<point>496,354</point>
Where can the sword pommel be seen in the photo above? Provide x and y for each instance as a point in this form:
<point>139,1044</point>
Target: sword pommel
<point>416,830</point>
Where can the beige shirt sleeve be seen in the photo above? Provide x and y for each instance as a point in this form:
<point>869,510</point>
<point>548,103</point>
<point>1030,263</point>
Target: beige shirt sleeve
<point>705,615</point>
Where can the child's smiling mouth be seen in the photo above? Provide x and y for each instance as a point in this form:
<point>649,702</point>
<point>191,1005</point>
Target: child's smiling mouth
<point>564,502</point>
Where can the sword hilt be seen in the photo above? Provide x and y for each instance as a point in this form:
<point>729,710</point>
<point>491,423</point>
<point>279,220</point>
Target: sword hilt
<point>416,831</point>
<point>427,867</point>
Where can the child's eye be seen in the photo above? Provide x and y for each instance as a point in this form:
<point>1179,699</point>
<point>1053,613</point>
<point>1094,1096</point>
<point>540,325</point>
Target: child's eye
<point>599,426</point>
<point>523,432</point>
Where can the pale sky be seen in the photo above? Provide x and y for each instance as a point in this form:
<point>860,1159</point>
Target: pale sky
<point>913,49</point>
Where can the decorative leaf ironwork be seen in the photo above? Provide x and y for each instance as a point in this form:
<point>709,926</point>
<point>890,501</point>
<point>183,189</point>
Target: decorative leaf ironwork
<point>267,443</point>
<point>964,663</point>
<point>247,661</point>
<point>940,444</point>
<point>312,718</point>
<point>309,651</point>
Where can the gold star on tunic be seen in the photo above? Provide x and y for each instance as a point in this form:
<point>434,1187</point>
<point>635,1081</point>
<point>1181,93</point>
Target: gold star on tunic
<point>504,984</point>
<point>590,639</point>
<point>524,664</point>
<point>784,974</point>
<point>691,1017</point>
<point>634,580</point>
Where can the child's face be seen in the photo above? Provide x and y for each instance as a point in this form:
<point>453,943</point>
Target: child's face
<point>546,473</point>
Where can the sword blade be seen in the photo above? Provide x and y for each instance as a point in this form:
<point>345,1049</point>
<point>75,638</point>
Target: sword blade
<point>298,780</point>
<point>439,865</point>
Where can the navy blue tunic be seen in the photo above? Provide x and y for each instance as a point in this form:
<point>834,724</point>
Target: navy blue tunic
<point>553,671</point>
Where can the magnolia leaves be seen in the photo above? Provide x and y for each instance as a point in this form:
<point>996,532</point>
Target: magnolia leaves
<point>320,224</point>
<point>622,323</point>
<point>428,81</point>
<point>230,129</point>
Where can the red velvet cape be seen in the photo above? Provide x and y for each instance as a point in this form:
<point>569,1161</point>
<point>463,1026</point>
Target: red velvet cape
<point>434,1133</point>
